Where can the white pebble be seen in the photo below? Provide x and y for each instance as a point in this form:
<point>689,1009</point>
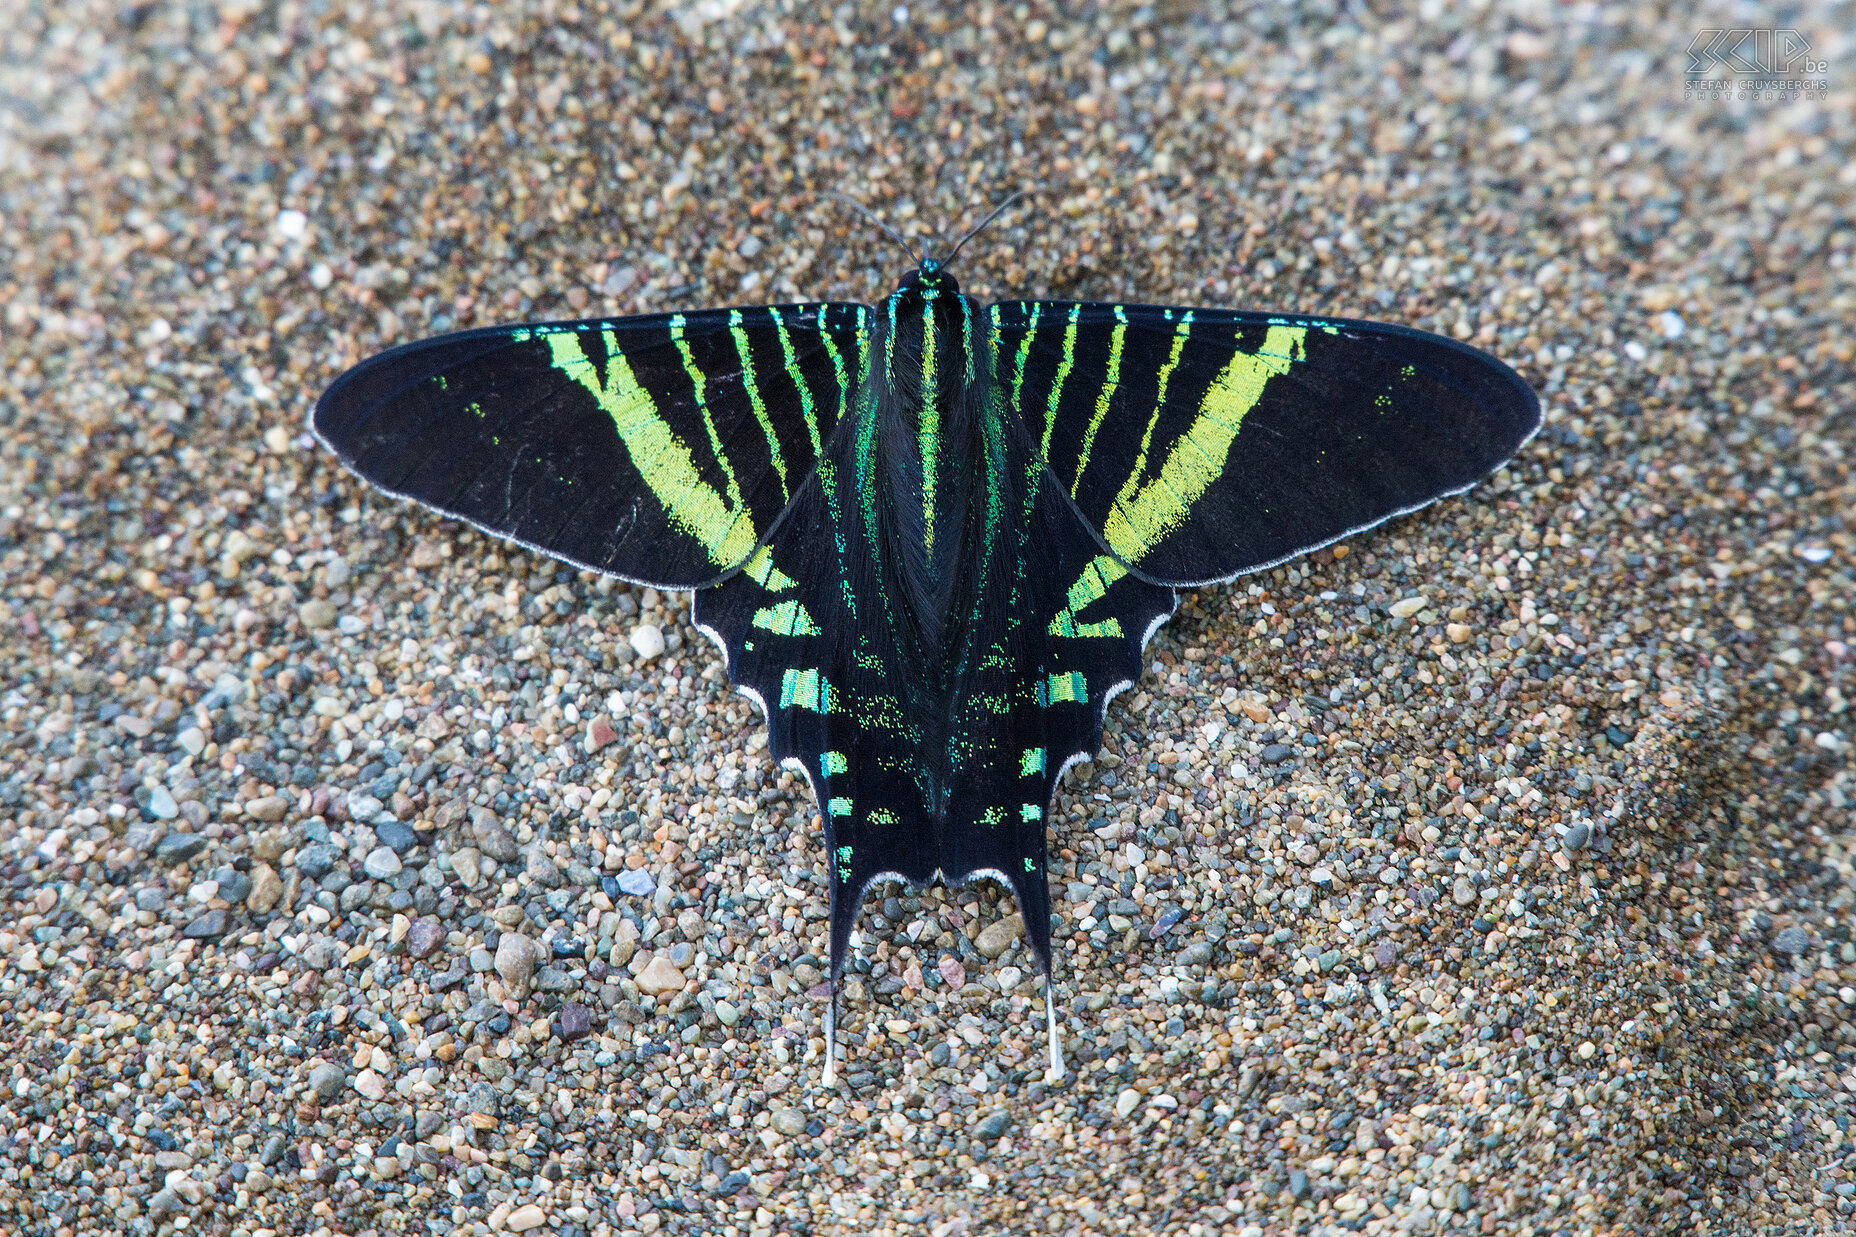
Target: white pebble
<point>292,224</point>
<point>647,641</point>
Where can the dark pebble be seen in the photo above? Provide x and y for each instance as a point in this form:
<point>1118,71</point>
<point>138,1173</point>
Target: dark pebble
<point>576,1021</point>
<point>234,885</point>
<point>1791,941</point>
<point>211,924</point>
<point>424,936</point>
<point>1276,753</point>
<point>395,835</point>
<point>179,847</point>
<point>316,860</point>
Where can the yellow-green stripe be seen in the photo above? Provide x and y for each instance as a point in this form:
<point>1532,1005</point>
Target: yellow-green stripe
<point>1104,396</point>
<point>725,530</point>
<point>699,382</point>
<point>1063,375</point>
<point>1144,514</point>
<point>744,352</point>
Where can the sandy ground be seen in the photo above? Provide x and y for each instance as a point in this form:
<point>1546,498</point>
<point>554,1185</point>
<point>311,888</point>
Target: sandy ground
<point>361,875</point>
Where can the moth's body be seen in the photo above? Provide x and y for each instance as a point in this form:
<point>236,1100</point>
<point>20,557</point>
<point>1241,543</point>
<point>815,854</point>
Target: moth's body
<point>932,537</point>
<point>945,549</point>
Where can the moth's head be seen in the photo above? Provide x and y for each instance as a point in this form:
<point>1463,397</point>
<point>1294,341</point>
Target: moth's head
<point>930,276</point>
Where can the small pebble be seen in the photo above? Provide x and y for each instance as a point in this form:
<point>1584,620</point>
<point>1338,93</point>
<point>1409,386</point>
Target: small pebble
<point>327,1080</point>
<point>525,1217</point>
<point>636,882</point>
<point>516,959</point>
<point>996,937</point>
<point>660,977</point>
<point>208,926</point>
<point>396,836</point>
<point>647,641</point>
<point>381,863</point>
<point>317,613</point>
<point>180,847</point>
<point>424,936</point>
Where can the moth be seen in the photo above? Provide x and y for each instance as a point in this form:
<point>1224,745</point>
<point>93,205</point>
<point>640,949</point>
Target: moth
<point>930,536</point>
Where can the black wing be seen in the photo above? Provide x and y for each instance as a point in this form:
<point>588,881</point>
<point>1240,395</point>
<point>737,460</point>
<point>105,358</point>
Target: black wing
<point>1202,444</point>
<point>660,449</point>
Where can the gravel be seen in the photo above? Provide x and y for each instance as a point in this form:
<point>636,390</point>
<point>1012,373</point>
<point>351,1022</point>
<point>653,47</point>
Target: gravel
<point>1570,754</point>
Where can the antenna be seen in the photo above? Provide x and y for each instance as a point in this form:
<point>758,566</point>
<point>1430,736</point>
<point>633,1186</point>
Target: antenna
<point>949,259</point>
<point>869,214</point>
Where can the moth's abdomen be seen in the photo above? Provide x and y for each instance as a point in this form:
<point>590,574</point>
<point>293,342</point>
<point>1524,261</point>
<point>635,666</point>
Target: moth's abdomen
<point>923,772</point>
<point>926,469</point>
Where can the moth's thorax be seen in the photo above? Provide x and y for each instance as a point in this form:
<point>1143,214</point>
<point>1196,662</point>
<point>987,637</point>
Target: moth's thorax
<point>929,346</point>
<point>928,462</point>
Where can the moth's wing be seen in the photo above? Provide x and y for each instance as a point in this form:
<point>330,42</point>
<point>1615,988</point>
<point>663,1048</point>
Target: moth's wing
<point>660,449</point>
<point>802,629</point>
<point>1067,629</point>
<point>1062,627</point>
<point>1201,444</point>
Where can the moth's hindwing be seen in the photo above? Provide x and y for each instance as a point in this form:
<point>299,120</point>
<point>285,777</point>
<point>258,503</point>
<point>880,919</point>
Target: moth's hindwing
<point>961,783</point>
<point>1201,444</point>
<point>660,448</point>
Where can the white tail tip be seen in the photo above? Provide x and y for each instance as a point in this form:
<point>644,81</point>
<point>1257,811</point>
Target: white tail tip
<point>1056,1071</point>
<point>831,1038</point>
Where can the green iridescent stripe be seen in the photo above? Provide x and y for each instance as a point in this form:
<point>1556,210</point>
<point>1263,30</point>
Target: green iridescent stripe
<point>744,353</point>
<point>1024,355</point>
<point>787,618</point>
<point>837,359</point>
<point>866,484</point>
<point>700,383</point>
<point>1180,334</point>
<point>725,531</point>
<point>889,339</point>
<point>1066,687</point>
<point>808,690</point>
<point>1090,587</point>
<point>761,570</point>
<point>968,341</point>
<point>928,422</point>
<point>828,486</point>
<point>806,407</point>
<point>1063,375</point>
<point>1104,396</point>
